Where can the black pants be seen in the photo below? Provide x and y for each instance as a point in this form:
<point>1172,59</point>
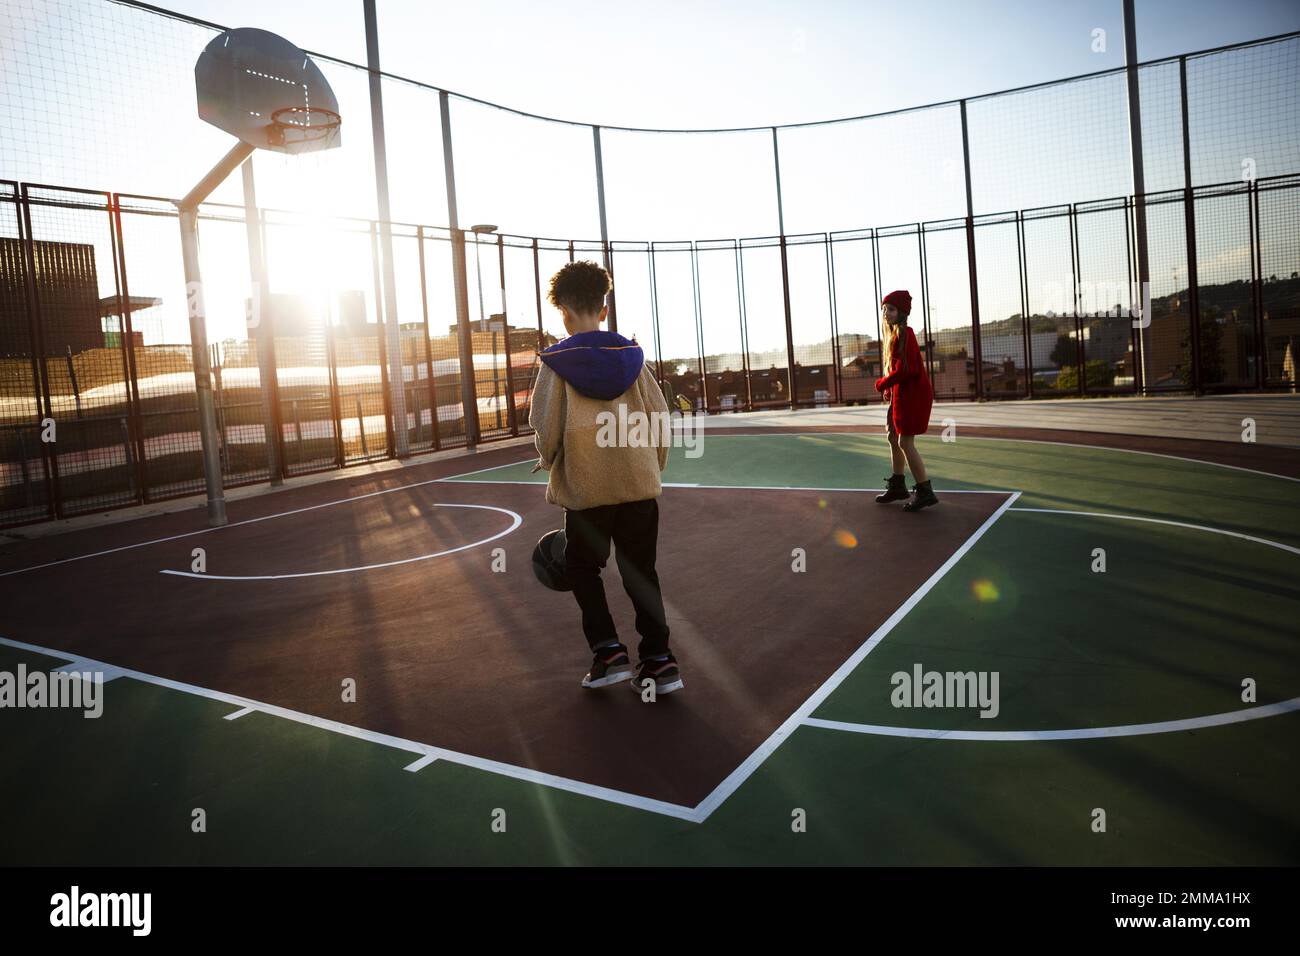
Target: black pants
<point>634,529</point>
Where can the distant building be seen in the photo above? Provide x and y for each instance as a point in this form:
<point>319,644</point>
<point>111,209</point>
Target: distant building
<point>72,312</point>
<point>297,316</point>
<point>67,296</point>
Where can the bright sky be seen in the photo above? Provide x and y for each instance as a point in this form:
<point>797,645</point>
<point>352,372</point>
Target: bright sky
<point>100,95</point>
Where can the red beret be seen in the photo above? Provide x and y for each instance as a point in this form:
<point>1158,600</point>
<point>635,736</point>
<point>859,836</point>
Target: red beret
<point>901,300</point>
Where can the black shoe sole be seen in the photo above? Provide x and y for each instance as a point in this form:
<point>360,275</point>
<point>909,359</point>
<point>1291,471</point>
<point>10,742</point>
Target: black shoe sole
<point>917,506</point>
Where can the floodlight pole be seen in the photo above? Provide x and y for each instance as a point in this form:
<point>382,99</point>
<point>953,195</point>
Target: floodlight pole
<point>189,222</point>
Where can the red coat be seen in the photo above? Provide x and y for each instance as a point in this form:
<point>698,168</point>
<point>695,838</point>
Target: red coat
<point>908,389</point>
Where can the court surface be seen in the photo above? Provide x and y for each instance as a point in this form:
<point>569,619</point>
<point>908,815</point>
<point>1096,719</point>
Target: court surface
<point>1119,690</point>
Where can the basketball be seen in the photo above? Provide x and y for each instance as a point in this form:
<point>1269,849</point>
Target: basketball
<point>548,561</point>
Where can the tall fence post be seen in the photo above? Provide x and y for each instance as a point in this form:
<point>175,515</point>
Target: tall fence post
<point>40,374</point>
<point>428,349</point>
<point>1189,226</point>
<point>386,384</point>
<point>977,347</point>
<point>835,394</point>
<point>744,324</point>
<point>396,377</point>
<point>1139,177</point>
<point>335,399</point>
<point>464,337</point>
<point>785,276</point>
<point>1080,354</point>
<point>135,418</point>
<point>923,268</point>
<point>699,325</point>
<point>654,315</point>
<point>1022,275</point>
<point>877,295</point>
<point>1257,284</point>
<point>606,253</point>
<point>511,419</point>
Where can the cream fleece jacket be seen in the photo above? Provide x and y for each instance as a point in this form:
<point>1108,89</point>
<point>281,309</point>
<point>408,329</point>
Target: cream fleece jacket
<point>582,473</point>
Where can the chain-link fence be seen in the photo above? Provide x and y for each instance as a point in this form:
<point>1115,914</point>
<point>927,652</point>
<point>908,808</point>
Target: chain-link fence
<point>1015,228</point>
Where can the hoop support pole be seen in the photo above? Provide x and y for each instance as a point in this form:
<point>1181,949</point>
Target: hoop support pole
<point>189,223</point>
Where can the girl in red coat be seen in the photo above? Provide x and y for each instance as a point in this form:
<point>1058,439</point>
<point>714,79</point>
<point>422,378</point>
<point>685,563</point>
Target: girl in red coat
<point>906,386</point>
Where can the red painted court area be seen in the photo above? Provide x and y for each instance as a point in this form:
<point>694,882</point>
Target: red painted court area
<point>447,652</point>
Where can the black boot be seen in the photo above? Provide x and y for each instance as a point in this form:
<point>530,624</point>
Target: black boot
<point>923,498</point>
<point>895,490</point>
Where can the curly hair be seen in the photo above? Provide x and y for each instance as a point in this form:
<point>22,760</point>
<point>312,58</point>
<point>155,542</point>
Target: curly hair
<point>580,287</point>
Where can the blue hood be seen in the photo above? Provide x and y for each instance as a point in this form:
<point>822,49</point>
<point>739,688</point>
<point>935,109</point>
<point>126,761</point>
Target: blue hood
<point>598,364</point>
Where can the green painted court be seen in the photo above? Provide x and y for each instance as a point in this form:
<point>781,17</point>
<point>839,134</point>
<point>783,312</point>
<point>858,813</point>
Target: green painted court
<point>1119,690</point>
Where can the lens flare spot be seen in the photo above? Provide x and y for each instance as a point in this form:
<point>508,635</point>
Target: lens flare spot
<point>845,539</point>
<point>985,591</point>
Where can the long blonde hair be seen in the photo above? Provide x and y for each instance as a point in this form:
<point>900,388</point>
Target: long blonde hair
<point>889,340</point>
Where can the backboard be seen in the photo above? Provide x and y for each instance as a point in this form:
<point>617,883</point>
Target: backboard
<point>259,87</point>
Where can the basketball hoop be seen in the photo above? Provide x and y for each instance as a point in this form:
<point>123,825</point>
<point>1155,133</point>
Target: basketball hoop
<point>303,128</point>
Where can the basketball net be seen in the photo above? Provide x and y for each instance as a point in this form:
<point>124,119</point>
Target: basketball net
<point>303,177</point>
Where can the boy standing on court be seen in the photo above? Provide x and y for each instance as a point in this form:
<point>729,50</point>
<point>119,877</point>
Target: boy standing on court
<point>608,490</point>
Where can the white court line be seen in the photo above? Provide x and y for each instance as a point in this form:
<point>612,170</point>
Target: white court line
<point>1133,451</point>
<point>106,674</point>
<point>755,760</point>
<point>484,471</point>
<point>683,484</point>
<point>524,774</point>
<point>697,814</point>
<point>515,523</point>
<point>420,764</point>
<point>243,712</point>
<point>1085,733</point>
<point>946,491</point>
<point>1025,441</point>
<point>463,476</point>
<point>1081,733</point>
<point>1176,524</point>
<point>237,524</point>
<point>738,776</point>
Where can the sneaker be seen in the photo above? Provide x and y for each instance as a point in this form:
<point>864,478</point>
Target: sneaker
<point>664,673</point>
<point>609,666</point>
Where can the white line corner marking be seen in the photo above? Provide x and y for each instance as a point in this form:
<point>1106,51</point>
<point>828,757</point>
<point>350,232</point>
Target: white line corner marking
<point>696,814</point>
<point>756,759</point>
<point>421,750</point>
<point>515,522</point>
<point>1086,733</point>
